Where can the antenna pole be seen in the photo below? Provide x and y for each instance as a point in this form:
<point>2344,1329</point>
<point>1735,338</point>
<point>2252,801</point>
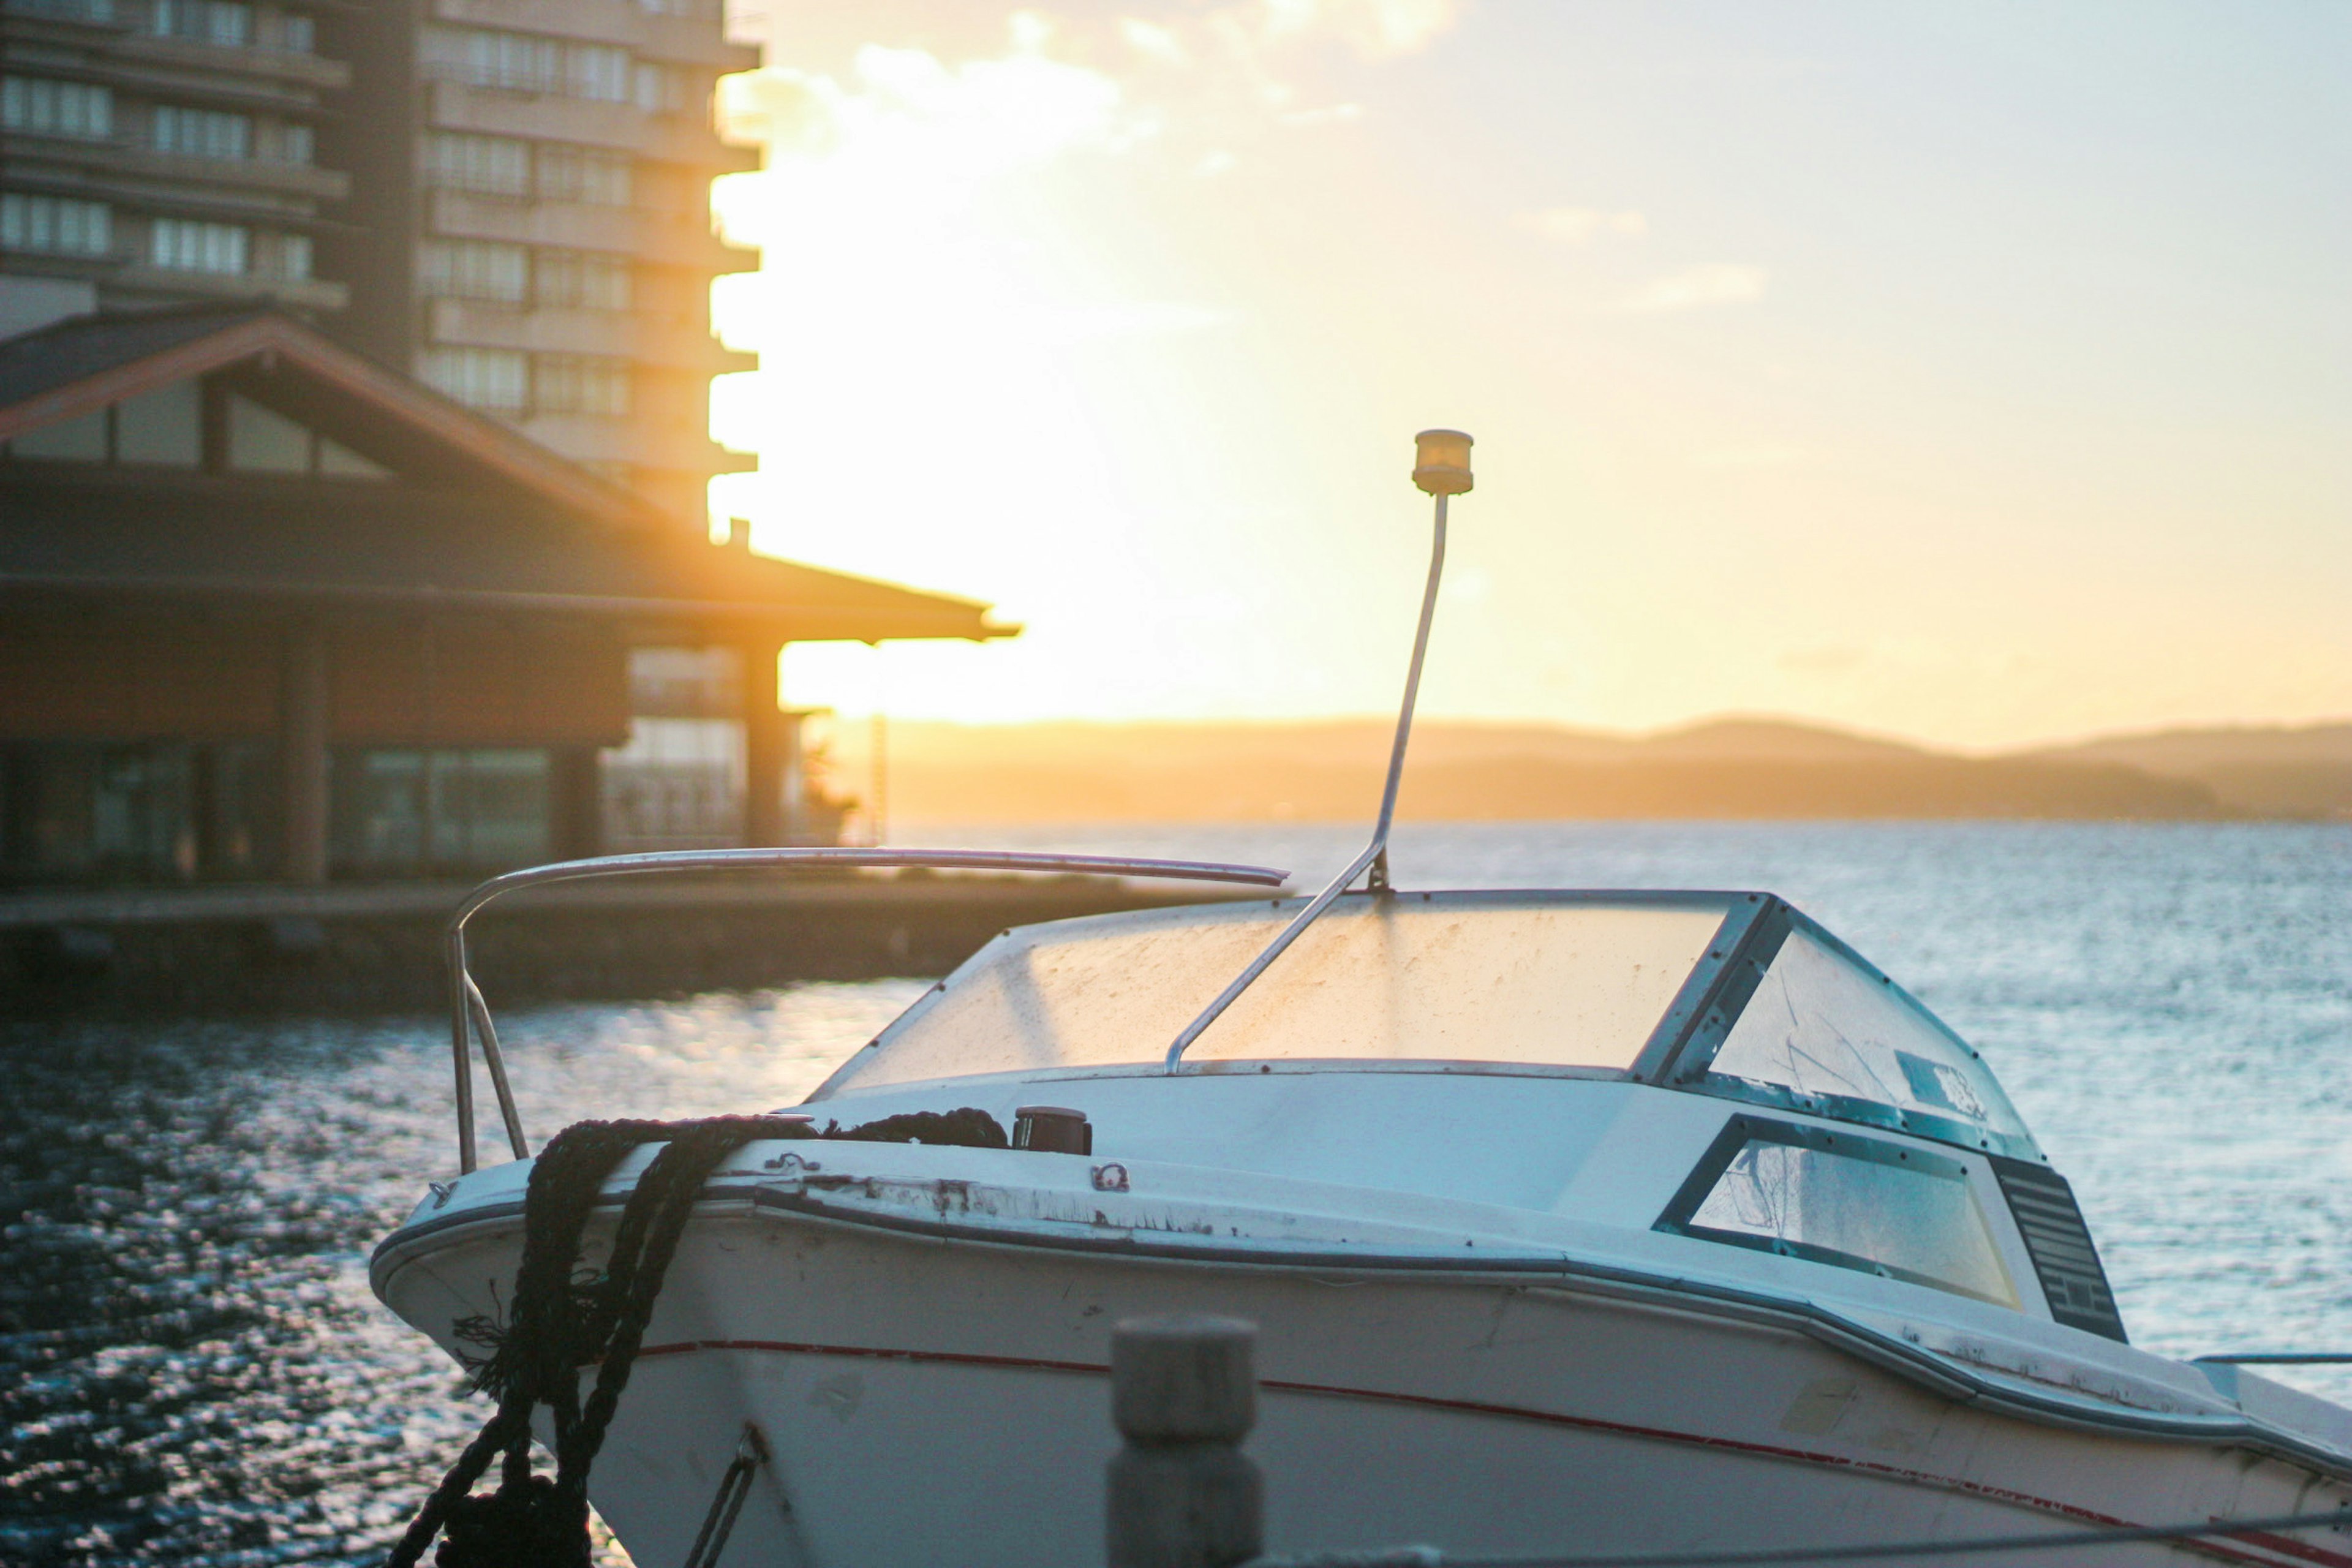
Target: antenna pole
<point>1379,877</point>
<point>1376,853</point>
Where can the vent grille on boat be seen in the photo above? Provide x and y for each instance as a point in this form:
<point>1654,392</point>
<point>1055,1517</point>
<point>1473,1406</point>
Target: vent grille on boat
<point>2044,1206</point>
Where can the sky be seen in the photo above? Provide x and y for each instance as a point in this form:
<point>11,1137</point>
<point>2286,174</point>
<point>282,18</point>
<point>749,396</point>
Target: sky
<point>1975,373</point>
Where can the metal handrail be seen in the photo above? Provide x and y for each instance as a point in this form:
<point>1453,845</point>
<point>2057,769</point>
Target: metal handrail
<point>1376,853</point>
<point>468,1011</point>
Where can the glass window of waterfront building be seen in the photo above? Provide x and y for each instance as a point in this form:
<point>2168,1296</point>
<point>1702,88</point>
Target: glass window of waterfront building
<point>160,811</point>
<point>201,132</point>
<point>399,811</point>
<point>294,256</point>
<point>224,23</point>
<point>264,441</point>
<point>487,165</point>
<point>474,269</point>
<point>584,174</point>
<point>296,144</point>
<point>40,106</point>
<point>162,427</point>
<point>581,384</point>
<point>82,439</point>
<point>186,244</point>
<point>524,62</point>
<point>495,380</point>
<point>297,34</point>
<point>60,225</point>
<point>582,281</point>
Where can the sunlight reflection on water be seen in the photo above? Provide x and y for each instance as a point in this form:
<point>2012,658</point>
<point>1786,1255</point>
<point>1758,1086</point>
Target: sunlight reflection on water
<point>192,1371</point>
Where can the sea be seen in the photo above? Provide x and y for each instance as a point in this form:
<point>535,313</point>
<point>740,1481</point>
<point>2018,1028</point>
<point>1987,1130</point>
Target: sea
<point>192,1371</point>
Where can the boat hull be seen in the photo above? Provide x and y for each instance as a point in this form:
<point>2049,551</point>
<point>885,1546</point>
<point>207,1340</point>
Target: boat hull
<point>929,1400</point>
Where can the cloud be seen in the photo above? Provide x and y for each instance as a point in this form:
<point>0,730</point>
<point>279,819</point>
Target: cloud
<point>1695,288</point>
<point>1155,42</point>
<point>1374,27</point>
<point>906,108</point>
<point>1335,114</point>
<point>1581,225</point>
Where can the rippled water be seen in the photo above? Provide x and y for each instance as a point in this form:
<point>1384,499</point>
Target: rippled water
<point>192,1369</point>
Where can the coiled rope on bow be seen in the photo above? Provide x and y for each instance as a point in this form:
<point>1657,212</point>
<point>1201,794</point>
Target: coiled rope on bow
<point>562,1320</point>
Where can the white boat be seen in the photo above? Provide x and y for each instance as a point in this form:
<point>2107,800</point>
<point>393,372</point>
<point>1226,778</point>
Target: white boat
<point>1571,1222</point>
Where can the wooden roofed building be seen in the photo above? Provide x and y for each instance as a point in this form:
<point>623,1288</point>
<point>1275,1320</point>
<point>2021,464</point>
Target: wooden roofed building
<point>271,612</point>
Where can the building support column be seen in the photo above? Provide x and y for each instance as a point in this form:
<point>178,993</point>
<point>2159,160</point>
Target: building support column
<point>302,755</point>
<point>763,747</point>
<point>576,805</point>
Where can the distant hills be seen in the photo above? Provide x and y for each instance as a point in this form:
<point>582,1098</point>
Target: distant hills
<point>1732,768</point>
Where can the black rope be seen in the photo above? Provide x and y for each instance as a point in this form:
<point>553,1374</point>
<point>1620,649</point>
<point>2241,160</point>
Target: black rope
<point>562,1320</point>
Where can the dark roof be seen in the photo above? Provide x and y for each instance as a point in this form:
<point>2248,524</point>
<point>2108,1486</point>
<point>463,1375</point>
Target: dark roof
<point>90,533</point>
<point>478,517</point>
<point>86,363</point>
<point>81,346</point>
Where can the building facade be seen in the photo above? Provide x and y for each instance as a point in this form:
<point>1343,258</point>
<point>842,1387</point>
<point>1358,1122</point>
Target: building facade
<point>508,199</point>
<point>531,216</point>
<point>164,150</point>
<point>271,612</point>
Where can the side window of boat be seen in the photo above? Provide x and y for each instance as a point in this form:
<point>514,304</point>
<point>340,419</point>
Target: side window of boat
<point>1851,1202</point>
<point>1824,1033</point>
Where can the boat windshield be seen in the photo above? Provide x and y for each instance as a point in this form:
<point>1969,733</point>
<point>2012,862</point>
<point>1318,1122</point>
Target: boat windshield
<point>1543,981</point>
<point>1826,1033</point>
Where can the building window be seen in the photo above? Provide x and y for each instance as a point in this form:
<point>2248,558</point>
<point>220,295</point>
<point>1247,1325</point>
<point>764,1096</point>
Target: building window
<point>581,280</point>
<point>413,812</point>
<point>522,62</point>
<point>584,174</point>
<point>296,144</point>
<point>661,90</point>
<point>474,269</point>
<point>294,256</point>
<point>597,72</point>
<point>480,58</point>
<point>577,383</point>
<point>224,23</point>
<point>264,441</point>
<point>46,107</point>
<point>297,34</point>
<point>201,132</point>
<point>184,245</point>
<point>60,225</point>
<point>162,427</point>
<point>491,166</point>
<point>82,439</point>
<point>495,380</point>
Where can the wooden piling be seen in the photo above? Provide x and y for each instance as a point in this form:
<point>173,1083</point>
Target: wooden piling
<point>1181,1492</point>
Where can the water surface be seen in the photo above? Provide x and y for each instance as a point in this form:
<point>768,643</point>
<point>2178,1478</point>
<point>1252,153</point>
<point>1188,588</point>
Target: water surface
<point>191,1370</point>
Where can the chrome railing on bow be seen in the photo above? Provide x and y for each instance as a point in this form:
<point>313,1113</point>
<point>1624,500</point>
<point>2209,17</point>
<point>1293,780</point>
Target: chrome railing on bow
<point>469,1014</point>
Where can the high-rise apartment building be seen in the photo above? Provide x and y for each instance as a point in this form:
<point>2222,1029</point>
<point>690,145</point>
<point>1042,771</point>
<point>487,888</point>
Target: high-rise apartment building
<point>161,151</point>
<point>530,214</point>
<point>508,199</point>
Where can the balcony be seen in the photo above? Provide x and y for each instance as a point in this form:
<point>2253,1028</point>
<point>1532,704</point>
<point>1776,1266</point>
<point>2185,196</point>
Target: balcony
<point>689,40</point>
<point>661,239</point>
<point>666,342</point>
<point>128,162</point>
<point>274,66</point>
<point>302,294</point>
<point>623,127</point>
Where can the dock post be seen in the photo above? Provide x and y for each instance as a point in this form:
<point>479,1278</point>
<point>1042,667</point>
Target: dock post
<point>1183,1393</point>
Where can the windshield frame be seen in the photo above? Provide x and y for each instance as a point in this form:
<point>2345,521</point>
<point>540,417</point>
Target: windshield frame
<point>1687,1064</point>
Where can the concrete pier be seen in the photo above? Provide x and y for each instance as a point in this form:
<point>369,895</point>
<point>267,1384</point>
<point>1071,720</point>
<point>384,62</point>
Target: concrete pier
<point>368,947</point>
